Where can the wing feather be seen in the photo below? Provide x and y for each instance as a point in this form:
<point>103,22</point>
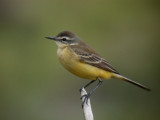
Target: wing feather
<point>89,56</point>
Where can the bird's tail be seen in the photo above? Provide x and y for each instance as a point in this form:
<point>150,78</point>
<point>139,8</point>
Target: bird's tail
<point>120,77</point>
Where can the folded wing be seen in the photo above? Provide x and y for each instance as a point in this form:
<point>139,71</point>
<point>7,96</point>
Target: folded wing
<point>89,56</point>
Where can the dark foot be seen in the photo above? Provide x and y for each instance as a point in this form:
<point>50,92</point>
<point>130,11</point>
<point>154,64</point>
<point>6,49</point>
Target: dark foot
<point>81,89</point>
<point>85,99</point>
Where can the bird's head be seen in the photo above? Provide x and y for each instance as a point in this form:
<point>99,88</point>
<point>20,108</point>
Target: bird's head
<point>66,38</point>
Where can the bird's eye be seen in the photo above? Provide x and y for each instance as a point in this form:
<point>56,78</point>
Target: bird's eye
<point>64,39</point>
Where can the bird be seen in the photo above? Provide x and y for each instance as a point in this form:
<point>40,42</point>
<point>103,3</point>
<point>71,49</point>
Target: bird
<point>83,61</point>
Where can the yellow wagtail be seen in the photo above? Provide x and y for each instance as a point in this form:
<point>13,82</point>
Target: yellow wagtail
<point>80,59</point>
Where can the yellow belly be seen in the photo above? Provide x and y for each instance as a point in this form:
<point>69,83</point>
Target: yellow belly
<point>70,61</point>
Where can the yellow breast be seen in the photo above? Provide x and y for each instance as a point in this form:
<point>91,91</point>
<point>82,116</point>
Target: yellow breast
<point>71,62</point>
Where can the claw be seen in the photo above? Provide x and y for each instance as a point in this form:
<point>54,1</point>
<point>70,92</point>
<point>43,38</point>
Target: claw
<point>87,96</point>
<point>80,89</point>
<point>83,96</point>
<point>85,99</point>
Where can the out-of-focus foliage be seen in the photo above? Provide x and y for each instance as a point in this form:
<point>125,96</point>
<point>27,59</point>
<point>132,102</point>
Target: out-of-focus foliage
<point>33,84</point>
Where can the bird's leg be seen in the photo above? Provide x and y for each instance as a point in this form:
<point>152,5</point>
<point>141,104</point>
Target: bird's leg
<point>88,84</point>
<point>89,94</point>
<point>99,83</point>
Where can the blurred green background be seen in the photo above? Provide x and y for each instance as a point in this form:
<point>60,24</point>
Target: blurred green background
<point>33,84</point>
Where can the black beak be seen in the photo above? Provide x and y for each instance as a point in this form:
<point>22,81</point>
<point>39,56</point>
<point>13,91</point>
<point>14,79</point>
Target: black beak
<point>52,38</point>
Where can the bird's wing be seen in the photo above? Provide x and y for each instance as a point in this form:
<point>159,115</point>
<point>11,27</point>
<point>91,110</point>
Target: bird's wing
<point>89,56</point>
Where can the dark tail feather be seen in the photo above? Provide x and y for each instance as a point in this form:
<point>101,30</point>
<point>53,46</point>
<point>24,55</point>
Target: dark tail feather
<point>117,76</point>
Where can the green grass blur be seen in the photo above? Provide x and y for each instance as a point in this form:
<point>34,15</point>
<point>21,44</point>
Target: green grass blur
<point>33,84</point>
